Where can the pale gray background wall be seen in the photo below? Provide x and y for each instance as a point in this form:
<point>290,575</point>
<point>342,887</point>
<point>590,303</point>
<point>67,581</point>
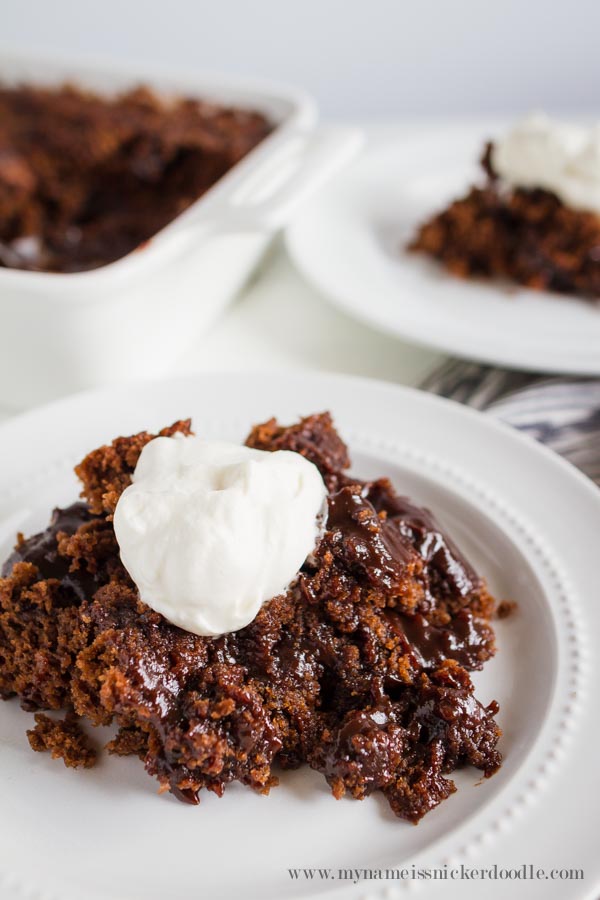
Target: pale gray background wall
<point>376,59</point>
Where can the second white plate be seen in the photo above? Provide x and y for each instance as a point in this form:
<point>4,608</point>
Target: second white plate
<point>350,243</point>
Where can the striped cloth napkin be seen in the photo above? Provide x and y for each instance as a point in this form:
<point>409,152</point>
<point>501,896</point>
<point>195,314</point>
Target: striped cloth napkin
<point>561,412</point>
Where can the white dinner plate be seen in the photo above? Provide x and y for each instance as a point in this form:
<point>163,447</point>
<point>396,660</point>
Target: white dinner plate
<point>350,242</point>
<point>529,522</point>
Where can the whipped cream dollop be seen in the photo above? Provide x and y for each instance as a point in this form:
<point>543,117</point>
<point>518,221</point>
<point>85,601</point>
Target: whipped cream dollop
<point>562,158</point>
<point>210,531</point>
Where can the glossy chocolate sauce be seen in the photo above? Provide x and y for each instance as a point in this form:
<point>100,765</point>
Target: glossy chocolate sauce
<point>382,552</point>
<point>383,547</point>
<point>465,639</point>
<point>447,566</point>
<point>41,551</point>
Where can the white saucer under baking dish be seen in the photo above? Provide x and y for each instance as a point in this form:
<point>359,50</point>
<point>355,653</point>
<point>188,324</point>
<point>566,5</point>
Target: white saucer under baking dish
<point>529,522</point>
<point>350,242</point>
<point>133,317</point>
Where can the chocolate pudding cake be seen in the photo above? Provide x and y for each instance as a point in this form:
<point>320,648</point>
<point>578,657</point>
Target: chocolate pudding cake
<point>360,669</point>
<point>85,179</point>
<point>535,227</point>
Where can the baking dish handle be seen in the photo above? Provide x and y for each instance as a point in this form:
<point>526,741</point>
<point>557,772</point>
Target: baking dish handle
<point>270,190</point>
<point>270,194</point>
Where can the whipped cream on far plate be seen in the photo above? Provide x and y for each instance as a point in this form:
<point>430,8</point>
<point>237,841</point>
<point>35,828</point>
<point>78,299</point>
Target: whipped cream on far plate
<point>540,152</point>
<point>209,531</point>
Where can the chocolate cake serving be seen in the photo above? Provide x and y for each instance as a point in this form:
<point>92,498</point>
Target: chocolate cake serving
<point>85,179</point>
<point>360,670</point>
<point>525,235</point>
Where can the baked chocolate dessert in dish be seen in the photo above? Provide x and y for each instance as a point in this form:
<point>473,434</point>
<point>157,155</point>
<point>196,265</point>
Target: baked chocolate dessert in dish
<point>358,667</point>
<point>85,179</point>
<point>536,218</point>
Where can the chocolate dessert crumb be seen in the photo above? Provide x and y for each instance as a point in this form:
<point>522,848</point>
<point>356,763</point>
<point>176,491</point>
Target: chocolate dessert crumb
<point>63,739</point>
<point>505,609</point>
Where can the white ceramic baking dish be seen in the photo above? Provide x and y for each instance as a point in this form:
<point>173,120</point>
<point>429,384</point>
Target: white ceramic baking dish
<point>133,317</point>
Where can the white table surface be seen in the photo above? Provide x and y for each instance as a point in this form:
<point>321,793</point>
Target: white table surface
<point>281,322</point>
